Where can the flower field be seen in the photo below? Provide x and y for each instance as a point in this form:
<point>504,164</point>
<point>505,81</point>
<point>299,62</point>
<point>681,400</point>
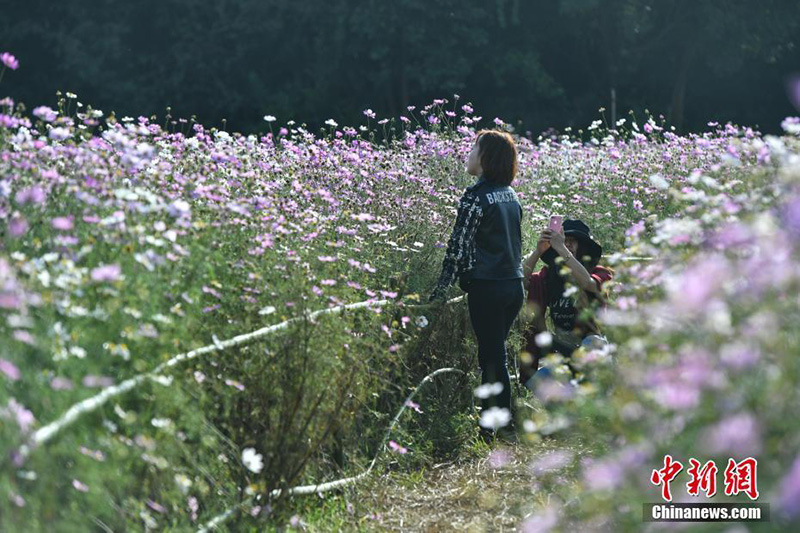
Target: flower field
<point>132,249</point>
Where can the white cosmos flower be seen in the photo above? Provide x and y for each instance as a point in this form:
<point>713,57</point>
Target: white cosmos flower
<point>253,461</point>
<point>421,321</point>
<point>268,310</point>
<point>570,291</point>
<point>488,389</point>
<point>658,181</point>
<point>544,339</point>
<point>161,422</point>
<point>269,118</point>
<point>495,417</point>
<point>332,123</point>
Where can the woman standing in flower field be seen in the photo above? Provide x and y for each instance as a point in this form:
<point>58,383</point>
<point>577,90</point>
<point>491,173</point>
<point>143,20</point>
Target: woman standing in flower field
<point>485,253</point>
<point>570,310</point>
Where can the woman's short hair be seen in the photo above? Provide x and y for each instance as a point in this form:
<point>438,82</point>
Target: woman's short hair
<point>498,156</point>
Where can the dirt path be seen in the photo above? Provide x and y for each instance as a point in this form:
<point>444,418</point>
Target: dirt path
<point>493,493</point>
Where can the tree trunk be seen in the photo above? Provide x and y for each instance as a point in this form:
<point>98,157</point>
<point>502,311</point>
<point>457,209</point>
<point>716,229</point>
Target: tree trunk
<point>679,89</point>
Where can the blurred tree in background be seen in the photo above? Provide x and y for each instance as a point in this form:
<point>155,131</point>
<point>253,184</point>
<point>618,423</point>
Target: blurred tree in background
<point>544,63</point>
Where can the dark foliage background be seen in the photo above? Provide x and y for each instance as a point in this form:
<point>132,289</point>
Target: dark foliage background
<point>548,63</point>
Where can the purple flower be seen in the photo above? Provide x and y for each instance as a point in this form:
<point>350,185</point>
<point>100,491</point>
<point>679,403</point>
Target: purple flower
<point>555,460</point>
<point>34,195</point>
<point>8,368</point>
<point>156,506</point>
<point>63,223</point>
<point>739,434</point>
<point>550,390</point>
<point>699,282</point>
<point>397,448</point>
<point>45,113</point>
<point>791,216</point>
<point>18,412</point>
<point>739,356</point>
<point>59,134</point>
<point>97,455</point>
<point>604,474</point>
<point>105,273</point>
<point>17,226</point>
<point>789,491</point>
<point>9,300</point>
<point>9,61</point>
<point>213,292</point>
<point>18,500</point>
<point>414,406</point>
<point>59,383</point>
<point>677,396</point>
<point>97,381</point>
<point>23,336</point>
<point>541,522</point>
<point>235,384</point>
<point>193,507</point>
<point>179,208</point>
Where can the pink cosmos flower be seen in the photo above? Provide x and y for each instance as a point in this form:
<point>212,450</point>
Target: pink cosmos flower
<point>789,491</point>
<point>193,507</point>
<point>62,223</point>
<point>94,454</point>
<point>235,384</point>
<point>541,522</point>
<point>414,406</point>
<point>9,369</point>
<point>397,448</point>
<point>17,226</point>
<point>59,383</point>
<point>23,336</point>
<point>9,61</point>
<point>738,435</point>
<point>551,461</point>
<point>18,412</point>
<point>106,273</point>
<point>602,474</point>
<point>45,113</point>
<point>33,195</point>
<point>156,506</point>
<point>97,381</point>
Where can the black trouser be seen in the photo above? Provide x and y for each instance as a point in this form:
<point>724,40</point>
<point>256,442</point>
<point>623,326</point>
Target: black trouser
<point>493,306</point>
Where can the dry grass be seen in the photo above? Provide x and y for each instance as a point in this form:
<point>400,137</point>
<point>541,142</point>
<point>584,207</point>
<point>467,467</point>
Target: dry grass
<point>495,492</point>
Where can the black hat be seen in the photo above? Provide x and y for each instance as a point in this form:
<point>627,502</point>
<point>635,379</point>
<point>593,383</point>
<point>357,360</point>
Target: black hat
<point>579,230</point>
